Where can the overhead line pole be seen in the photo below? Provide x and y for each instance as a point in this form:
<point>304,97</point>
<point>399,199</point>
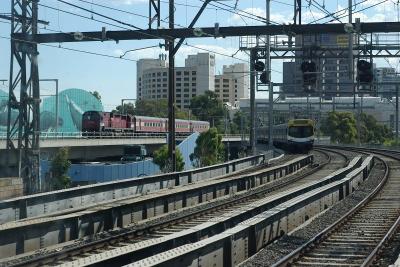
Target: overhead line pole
<point>171,91</point>
<point>253,76</point>
<point>172,50</point>
<point>270,87</point>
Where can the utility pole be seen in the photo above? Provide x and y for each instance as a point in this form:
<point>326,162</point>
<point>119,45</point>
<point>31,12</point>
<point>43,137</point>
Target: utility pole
<point>397,113</point>
<point>253,75</point>
<point>24,75</point>
<point>270,87</point>
<point>171,91</point>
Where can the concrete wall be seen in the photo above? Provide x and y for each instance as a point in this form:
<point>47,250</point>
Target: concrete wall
<point>55,201</point>
<point>11,187</point>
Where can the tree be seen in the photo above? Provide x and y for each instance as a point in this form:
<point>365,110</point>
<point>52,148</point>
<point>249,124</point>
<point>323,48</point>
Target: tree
<point>161,159</point>
<point>372,132</point>
<point>241,123</point>
<point>209,149</point>
<point>128,108</point>
<point>152,108</point>
<point>96,95</point>
<point>59,170</point>
<point>208,107</point>
<point>341,127</point>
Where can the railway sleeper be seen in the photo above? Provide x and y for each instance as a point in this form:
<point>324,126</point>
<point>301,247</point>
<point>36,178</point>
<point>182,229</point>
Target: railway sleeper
<point>232,246</point>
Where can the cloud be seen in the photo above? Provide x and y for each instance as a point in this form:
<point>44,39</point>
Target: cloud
<point>128,2</point>
<point>243,16</point>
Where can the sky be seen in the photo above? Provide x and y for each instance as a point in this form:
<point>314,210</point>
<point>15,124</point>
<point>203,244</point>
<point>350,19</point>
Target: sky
<point>115,78</point>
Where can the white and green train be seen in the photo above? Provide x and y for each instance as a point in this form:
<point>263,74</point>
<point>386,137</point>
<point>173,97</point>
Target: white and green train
<point>296,136</point>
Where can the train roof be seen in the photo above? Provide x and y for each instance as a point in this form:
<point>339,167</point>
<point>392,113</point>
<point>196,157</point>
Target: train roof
<point>150,118</point>
<point>301,122</point>
<point>176,120</point>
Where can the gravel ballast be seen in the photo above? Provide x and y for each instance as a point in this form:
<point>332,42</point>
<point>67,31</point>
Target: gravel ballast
<point>288,243</point>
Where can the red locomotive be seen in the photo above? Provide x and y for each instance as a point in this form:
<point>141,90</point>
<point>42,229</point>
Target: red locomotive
<point>108,123</point>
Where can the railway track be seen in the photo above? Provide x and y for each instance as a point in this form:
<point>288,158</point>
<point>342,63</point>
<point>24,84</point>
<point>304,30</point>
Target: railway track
<point>72,253</point>
<point>359,236</point>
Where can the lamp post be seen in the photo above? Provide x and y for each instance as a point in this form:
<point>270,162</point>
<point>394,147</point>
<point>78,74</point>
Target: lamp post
<point>57,101</point>
<point>122,103</point>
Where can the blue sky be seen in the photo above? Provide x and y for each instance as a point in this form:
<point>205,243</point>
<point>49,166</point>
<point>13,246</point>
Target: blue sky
<point>115,78</point>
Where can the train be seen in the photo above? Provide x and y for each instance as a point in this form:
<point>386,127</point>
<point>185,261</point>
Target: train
<point>110,124</point>
<point>295,136</point>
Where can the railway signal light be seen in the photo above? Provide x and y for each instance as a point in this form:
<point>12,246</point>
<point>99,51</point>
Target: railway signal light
<point>364,71</point>
<point>259,66</point>
<point>309,69</point>
<point>264,77</point>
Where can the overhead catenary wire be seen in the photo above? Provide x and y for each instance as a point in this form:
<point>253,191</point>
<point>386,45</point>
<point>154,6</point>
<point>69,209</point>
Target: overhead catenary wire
<point>127,24</point>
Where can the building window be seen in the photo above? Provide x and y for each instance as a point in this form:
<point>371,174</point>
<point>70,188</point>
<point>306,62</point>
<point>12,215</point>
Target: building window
<point>178,73</point>
<point>186,73</point>
<point>194,72</point>
<point>178,84</point>
<point>164,74</point>
<point>193,78</point>
<point>186,95</point>
<point>193,84</point>
<point>178,95</point>
<point>186,84</point>
<point>226,80</point>
<point>178,79</point>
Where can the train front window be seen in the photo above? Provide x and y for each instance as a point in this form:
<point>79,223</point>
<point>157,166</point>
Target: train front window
<point>300,132</point>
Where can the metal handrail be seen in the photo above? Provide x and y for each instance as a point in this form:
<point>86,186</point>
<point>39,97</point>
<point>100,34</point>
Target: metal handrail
<point>80,135</point>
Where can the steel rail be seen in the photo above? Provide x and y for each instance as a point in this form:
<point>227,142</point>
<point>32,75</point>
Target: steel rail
<point>293,256</point>
<point>195,213</point>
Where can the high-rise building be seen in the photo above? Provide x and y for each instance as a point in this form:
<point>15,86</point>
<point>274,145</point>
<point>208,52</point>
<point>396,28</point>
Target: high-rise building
<point>385,80</point>
<point>332,61</point>
<point>196,77</point>
<point>233,83</point>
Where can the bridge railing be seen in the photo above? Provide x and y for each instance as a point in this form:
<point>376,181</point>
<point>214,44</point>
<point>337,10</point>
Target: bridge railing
<point>81,135</point>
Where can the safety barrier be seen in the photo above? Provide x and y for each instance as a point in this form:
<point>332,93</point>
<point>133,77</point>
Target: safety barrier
<point>52,230</point>
<point>235,245</point>
<point>78,197</point>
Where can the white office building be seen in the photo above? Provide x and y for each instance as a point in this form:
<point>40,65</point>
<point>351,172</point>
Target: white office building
<point>196,77</point>
<point>233,83</point>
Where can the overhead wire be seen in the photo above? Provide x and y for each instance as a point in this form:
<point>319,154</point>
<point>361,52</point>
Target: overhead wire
<point>127,24</point>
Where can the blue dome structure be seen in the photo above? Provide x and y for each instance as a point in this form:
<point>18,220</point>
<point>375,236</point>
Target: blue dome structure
<point>72,103</point>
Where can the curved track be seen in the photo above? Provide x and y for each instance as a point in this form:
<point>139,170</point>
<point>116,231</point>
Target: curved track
<point>358,237</point>
<point>69,254</point>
